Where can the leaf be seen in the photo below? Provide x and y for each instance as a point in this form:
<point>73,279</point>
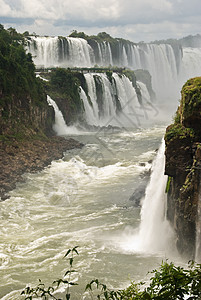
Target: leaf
<point>146,296</point>
<point>73,283</point>
<point>58,282</point>
<point>69,272</point>
<point>69,251</point>
<point>71,261</point>
<point>75,250</point>
<point>88,287</point>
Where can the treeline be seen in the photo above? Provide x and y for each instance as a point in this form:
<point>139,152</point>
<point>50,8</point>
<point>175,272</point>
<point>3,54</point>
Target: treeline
<point>23,107</point>
<point>17,71</point>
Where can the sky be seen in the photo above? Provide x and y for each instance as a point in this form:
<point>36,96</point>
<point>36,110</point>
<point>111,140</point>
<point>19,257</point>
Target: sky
<point>135,20</point>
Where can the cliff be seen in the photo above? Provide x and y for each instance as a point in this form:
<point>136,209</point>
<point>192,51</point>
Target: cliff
<point>24,111</point>
<point>183,165</point>
<point>25,117</point>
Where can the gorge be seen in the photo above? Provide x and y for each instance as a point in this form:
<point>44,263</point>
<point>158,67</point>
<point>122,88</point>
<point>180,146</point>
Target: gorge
<point>118,116</point>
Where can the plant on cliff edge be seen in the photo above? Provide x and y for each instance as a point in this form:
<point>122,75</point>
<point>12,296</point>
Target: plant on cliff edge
<point>169,282</point>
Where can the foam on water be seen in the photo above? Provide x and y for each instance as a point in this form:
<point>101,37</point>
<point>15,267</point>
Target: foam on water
<point>74,202</point>
<point>154,233</point>
<point>60,126</point>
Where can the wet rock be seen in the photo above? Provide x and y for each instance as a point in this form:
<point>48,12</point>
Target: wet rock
<point>139,192</point>
<point>19,157</point>
<point>183,160</point>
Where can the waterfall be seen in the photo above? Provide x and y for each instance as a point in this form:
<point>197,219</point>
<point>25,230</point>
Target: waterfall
<point>60,126</point>
<point>112,100</point>
<point>146,99</point>
<point>90,112</point>
<point>153,231</point>
<point>168,66</point>
<point>57,52</point>
<point>154,234</point>
<point>44,51</point>
<point>105,54</point>
<point>79,53</point>
<point>198,231</point>
<point>191,62</point>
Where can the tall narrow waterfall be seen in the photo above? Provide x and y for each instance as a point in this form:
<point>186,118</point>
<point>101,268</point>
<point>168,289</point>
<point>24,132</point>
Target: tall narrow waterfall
<point>154,233</point>
<point>154,228</point>
<point>60,126</point>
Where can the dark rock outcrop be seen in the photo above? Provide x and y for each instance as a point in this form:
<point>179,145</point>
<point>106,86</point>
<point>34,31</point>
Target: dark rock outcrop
<point>183,167</point>
<point>139,192</point>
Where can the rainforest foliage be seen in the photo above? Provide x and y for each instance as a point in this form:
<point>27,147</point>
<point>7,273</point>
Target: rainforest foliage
<point>24,111</point>
<point>17,71</point>
<point>187,118</point>
<point>63,86</point>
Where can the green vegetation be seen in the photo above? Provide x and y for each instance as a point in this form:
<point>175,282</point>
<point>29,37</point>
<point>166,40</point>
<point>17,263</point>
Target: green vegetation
<point>177,118</point>
<point>22,96</point>
<point>178,131</point>
<point>187,117</point>
<point>17,71</point>
<point>191,97</point>
<point>103,37</point>
<point>40,291</point>
<point>169,282</point>
<point>168,184</point>
<point>100,37</point>
<point>64,87</point>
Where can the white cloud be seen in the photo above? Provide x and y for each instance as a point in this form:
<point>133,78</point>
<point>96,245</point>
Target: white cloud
<point>5,8</point>
<point>133,19</point>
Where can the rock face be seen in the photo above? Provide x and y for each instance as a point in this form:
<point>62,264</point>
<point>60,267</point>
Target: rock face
<point>18,157</point>
<point>26,119</point>
<point>22,118</point>
<point>183,167</point>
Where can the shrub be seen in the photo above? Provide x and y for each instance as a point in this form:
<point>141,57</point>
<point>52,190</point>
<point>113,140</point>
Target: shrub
<point>169,282</point>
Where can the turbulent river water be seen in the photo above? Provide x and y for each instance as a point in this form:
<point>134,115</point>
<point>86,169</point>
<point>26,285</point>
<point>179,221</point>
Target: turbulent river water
<point>83,200</point>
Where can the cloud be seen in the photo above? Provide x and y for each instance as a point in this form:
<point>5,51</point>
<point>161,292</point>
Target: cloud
<point>151,17</point>
<point>5,8</point>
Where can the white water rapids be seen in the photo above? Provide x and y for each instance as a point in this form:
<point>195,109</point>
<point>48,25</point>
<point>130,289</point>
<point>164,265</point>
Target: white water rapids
<point>82,200</point>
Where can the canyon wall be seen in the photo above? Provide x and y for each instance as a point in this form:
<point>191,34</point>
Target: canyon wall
<point>183,167</point>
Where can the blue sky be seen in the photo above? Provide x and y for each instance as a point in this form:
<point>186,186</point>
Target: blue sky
<point>136,20</point>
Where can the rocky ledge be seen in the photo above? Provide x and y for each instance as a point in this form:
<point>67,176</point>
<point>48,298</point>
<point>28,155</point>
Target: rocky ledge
<point>183,167</point>
<point>19,157</point>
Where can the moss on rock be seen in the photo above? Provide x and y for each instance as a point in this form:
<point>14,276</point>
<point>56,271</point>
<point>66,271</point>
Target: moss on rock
<point>183,161</point>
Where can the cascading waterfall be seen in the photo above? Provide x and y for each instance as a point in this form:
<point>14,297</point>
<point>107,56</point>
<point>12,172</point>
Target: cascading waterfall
<point>60,126</point>
<point>154,233</point>
<point>79,52</point>
<point>146,99</point>
<point>54,51</point>
<point>45,51</point>
<point>90,112</point>
<point>191,63</point>
<point>105,54</point>
<point>112,101</point>
<point>167,66</point>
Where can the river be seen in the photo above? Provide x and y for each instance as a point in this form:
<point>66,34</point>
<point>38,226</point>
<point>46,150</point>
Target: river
<point>81,200</point>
